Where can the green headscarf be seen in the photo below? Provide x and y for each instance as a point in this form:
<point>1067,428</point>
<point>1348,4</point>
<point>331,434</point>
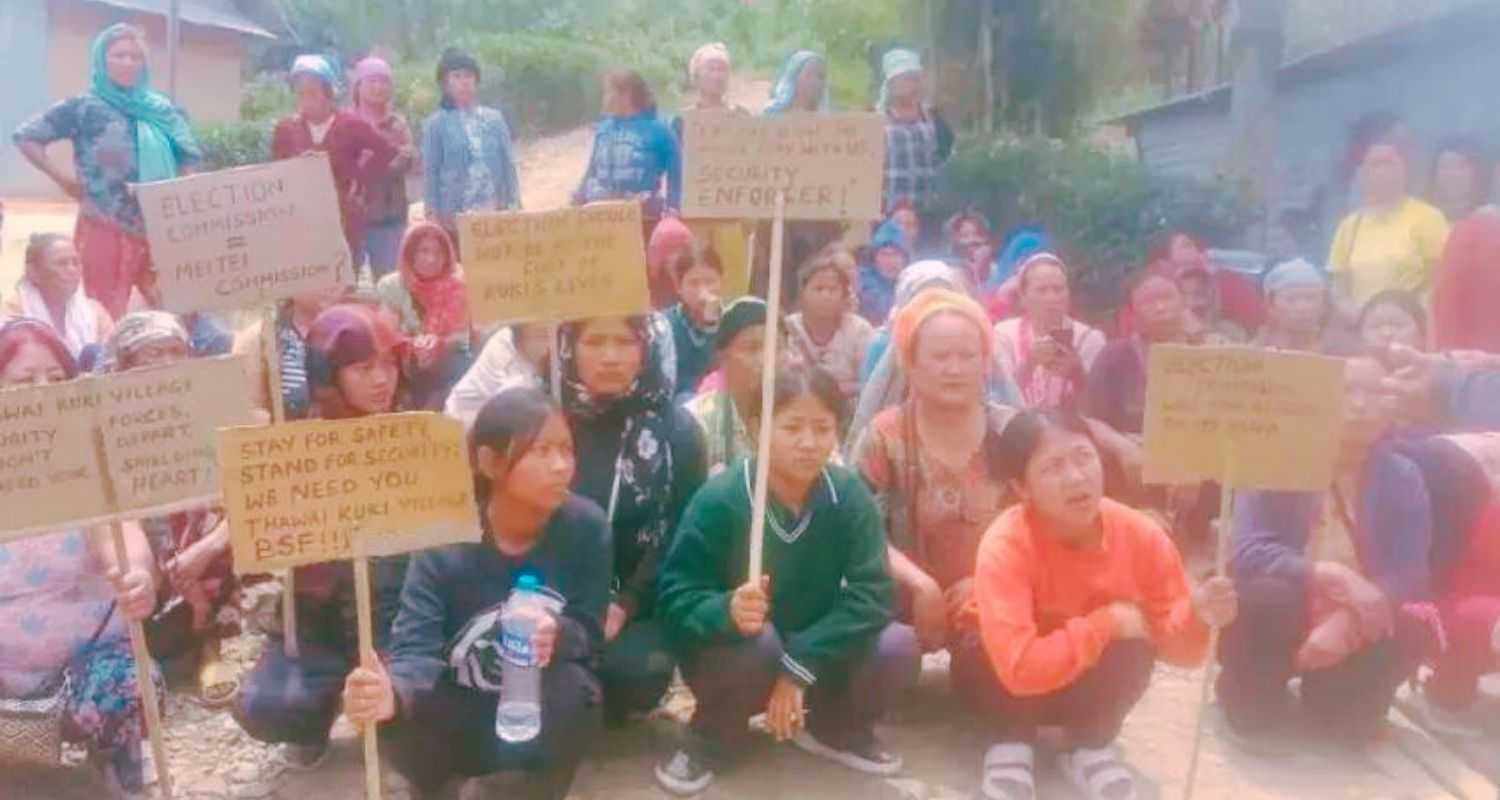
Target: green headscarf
<point>162,135</point>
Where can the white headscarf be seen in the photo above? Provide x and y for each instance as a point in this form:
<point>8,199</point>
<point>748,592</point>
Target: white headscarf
<point>80,322</point>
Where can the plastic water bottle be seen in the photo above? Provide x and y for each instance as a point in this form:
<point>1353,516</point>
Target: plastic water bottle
<point>519,717</point>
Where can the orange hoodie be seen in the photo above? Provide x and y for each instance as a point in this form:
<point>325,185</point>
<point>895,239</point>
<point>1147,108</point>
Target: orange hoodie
<point>1043,606</point>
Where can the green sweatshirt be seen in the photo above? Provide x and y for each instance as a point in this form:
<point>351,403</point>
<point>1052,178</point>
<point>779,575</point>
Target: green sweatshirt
<point>830,591</point>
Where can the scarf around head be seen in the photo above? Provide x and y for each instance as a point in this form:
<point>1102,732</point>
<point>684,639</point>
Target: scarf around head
<point>785,90</point>
<point>440,301</point>
<point>19,326</point>
<point>80,320</point>
<point>894,64</point>
<point>341,336</point>
<point>137,330</point>
<point>643,467</point>
<point>162,135</point>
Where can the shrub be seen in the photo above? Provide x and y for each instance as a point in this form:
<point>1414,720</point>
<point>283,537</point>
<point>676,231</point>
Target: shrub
<point>234,144</point>
<point>1102,208</point>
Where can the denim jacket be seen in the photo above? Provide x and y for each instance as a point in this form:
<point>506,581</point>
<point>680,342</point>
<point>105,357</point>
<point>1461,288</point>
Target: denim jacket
<point>447,158</point>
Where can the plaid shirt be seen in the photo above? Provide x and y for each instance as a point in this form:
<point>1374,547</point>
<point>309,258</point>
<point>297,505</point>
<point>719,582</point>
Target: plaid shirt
<point>911,162</point>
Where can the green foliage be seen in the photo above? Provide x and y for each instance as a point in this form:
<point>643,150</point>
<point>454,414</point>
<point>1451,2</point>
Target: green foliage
<point>545,83</point>
<point>1102,208</point>
<point>234,144</point>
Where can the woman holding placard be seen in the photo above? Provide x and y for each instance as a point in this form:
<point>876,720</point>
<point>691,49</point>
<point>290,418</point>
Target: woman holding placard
<point>438,686</point>
<point>122,133</point>
<point>1336,585</point>
<point>200,595</point>
<point>641,459</point>
<point>1077,598</point>
<point>812,644</point>
<point>50,291</point>
<point>65,602</point>
<point>354,358</point>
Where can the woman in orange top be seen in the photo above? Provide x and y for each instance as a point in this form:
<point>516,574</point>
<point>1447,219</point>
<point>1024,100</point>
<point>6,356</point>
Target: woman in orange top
<point>1077,596</point>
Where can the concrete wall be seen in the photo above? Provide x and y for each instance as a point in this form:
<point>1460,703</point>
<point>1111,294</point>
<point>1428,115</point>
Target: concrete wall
<point>55,49</point>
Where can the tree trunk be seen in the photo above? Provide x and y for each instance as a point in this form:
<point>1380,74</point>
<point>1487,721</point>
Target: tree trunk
<point>987,62</point>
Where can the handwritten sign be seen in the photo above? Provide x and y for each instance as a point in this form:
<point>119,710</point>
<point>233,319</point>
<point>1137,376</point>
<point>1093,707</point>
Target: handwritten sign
<point>555,265</point>
<point>49,465</point>
<point>1251,419</point>
<point>248,236</point>
<point>160,429</point>
<point>831,166</point>
<point>327,490</point>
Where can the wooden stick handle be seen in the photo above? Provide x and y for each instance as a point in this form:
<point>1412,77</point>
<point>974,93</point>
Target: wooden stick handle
<point>1221,567</point>
<point>767,395</point>
<point>371,733</point>
<point>271,354</point>
<point>143,675</point>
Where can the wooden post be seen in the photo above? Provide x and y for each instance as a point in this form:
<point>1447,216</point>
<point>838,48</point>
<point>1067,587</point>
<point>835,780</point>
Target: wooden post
<point>371,733</point>
<point>174,38</point>
<point>1257,45</point>
<point>271,354</point>
<point>987,63</point>
<point>767,395</point>
<point>1221,568</point>
<point>143,662</point>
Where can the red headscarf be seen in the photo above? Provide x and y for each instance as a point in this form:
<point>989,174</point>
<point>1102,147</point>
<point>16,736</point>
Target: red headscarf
<point>440,301</point>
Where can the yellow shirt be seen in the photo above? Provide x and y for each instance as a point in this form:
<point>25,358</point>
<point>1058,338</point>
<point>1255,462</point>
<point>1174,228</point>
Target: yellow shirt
<point>1397,249</point>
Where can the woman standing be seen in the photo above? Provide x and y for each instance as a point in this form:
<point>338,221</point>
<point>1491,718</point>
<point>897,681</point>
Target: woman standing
<point>1328,583</point>
<point>1393,240</point>
<point>353,370</point>
<point>1077,597</point>
<point>634,152</point>
<point>65,602</point>
<point>50,292</point>
<point>802,86</point>
<point>466,148</point>
<point>1461,175</point>
<point>122,133</point>
<point>385,200</point>
<point>812,643</point>
<point>200,596</point>
<point>709,71</point>
<point>929,461</point>
<point>438,687</point>
<point>641,460</point>
<point>360,157</point>
<point>1462,301</point>
<point>1047,351</point>
<point>917,139</point>
<point>427,294</point>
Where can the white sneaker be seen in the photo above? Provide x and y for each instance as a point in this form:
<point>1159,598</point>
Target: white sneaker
<point>1464,724</point>
<point>1099,774</point>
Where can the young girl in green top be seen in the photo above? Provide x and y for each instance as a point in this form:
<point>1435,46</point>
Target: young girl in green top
<point>812,644</point>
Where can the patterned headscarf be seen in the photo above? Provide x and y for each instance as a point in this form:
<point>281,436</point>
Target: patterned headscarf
<point>440,301</point>
<point>162,135</point>
<point>136,330</point>
<point>342,335</point>
<point>316,66</point>
<point>18,327</point>
<point>895,63</point>
<point>643,468</point>
<point>785,90</point>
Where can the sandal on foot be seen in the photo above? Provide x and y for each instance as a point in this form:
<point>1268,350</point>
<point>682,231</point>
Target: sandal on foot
<point>1008,772</point>
<point>1100,774</point>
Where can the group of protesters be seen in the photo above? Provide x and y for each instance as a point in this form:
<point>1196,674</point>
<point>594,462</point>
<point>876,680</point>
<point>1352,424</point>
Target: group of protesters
<point>954,461</point>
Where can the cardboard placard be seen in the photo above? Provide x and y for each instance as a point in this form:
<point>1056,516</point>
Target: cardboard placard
<point>1250,419</point>
<point>326,490</point>
<point>161,425</point>
<point>243,237</point>
<point>49,465</point>
<point>157,428</point>
<point>831,166</point>
<point>572,263</point>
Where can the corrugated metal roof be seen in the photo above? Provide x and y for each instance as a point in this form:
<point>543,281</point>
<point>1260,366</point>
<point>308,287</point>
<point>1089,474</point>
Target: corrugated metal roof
<point>221,14</point>
<point>1475,19</point>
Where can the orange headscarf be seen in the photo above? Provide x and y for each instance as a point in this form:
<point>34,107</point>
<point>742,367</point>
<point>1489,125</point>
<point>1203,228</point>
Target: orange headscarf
<point>928,304</point>
<point>440,301</point>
